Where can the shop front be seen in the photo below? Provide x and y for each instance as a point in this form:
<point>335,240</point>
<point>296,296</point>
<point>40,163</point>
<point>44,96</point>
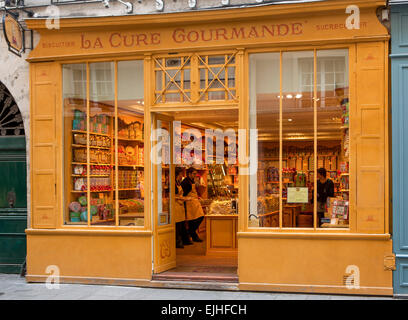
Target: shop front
<point>281,111</point>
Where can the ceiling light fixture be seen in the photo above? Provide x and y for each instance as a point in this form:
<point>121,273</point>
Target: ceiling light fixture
<point>289,96</point>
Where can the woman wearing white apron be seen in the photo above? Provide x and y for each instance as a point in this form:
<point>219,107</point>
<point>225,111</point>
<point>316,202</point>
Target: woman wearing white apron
<point>194,211</point>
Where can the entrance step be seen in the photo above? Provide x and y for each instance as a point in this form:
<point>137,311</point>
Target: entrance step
<point>196,277</point>
<point>199,285</point>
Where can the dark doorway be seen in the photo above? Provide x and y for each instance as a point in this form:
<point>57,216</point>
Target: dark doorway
<point>13,185</point>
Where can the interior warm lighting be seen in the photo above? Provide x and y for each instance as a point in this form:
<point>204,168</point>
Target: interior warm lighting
<point>289,96</point>
<point>298,96</point>
<point>290,120</point>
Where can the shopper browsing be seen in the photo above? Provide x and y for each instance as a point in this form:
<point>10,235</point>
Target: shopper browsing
<point>325,189</point>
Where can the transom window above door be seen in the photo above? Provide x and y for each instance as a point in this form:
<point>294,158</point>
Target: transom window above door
<point>195,78</point>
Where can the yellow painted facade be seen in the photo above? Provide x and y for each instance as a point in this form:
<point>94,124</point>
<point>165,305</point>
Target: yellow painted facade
<point>298,260</point>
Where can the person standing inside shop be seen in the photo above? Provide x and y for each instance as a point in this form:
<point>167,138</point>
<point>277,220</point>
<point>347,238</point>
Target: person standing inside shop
<point>182,238</point>
<point>325,189</point>
<point>194,211</point>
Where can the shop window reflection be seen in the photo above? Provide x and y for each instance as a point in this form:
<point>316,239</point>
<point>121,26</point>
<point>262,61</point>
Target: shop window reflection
<point>293,159</point>
<point>75,129</point>
<point>333,138</point>
<point>99,189</point>
<point>130,144</point>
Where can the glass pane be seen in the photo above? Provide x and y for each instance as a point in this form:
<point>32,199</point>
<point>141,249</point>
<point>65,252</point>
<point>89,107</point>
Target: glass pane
<point>130,184</point>
<point>75,140</point>
<point>173,97</point>
<point>297,139</point>
<point>173,62</point>
<point>333,140</point>
<point>159,80</point>
<point>216,95</point>
<point>203,82</point>
<point>231,77</point>
<point>101,204</point>
<point>163,173</point>
<point>216,60</point>
<point>264,116</point>
<point>187,80</point>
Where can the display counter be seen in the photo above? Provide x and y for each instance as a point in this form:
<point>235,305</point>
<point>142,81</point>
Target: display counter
<point>221,234</point>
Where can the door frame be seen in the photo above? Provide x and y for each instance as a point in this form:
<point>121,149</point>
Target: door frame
<point>164,236</point>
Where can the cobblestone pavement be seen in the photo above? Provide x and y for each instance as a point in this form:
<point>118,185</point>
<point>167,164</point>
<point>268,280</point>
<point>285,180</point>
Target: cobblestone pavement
<point>14,287</point>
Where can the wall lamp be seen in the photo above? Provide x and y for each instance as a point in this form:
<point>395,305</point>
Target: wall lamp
<point>128,5</point>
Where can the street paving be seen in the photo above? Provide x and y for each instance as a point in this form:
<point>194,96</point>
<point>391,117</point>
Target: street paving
<point>14,287</point>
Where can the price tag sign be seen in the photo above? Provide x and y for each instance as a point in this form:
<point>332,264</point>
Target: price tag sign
<point>298,195</point>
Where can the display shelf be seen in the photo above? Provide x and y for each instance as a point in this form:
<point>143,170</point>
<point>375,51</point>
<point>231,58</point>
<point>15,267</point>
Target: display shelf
<point>85,191</point>
<point>102,221</point>
<point>93,133</point>
<point>130,140</point>
<point>76,223</point>
<point>93,164</point>
<point>344,190</point>
<point>91,147</point>
<point>92,175</point>
<point>131,165</point>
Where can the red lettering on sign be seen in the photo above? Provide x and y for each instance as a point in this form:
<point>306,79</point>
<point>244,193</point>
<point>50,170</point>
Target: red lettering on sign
<point>98,43</point>
<point>128,41</point>
<point>192,36</point>
<point>113,40</point>
<point>141,38</point>
<point>282,27</point>
<point>297,28</point>
<point>85,44</point>
<point>178,36</point>
<point>222,32</point>
<point>155,38</point>
<point>253,33</point>
<point>271,31</point>
<point>203,32</point>
<point>238,34</point>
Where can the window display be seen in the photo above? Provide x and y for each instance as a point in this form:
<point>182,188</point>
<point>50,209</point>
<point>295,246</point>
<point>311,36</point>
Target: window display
<point>302,119</point>
<point>103,143</point>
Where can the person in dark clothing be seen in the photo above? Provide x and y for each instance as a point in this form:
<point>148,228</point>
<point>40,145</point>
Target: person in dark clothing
<point>182,238</point>
<point>194,211</point>
<point>325,189</point>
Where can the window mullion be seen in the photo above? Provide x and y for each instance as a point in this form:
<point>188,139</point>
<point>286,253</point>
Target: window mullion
<point>315,139</point>
<point>116,190</point>
<point>280,142</point>
<point>88,166</point>
<point>195,78</point>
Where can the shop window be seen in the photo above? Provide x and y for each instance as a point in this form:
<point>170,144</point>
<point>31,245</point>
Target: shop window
<point>103,143</point>
<point>299,104</point>
<point>195,78</point>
